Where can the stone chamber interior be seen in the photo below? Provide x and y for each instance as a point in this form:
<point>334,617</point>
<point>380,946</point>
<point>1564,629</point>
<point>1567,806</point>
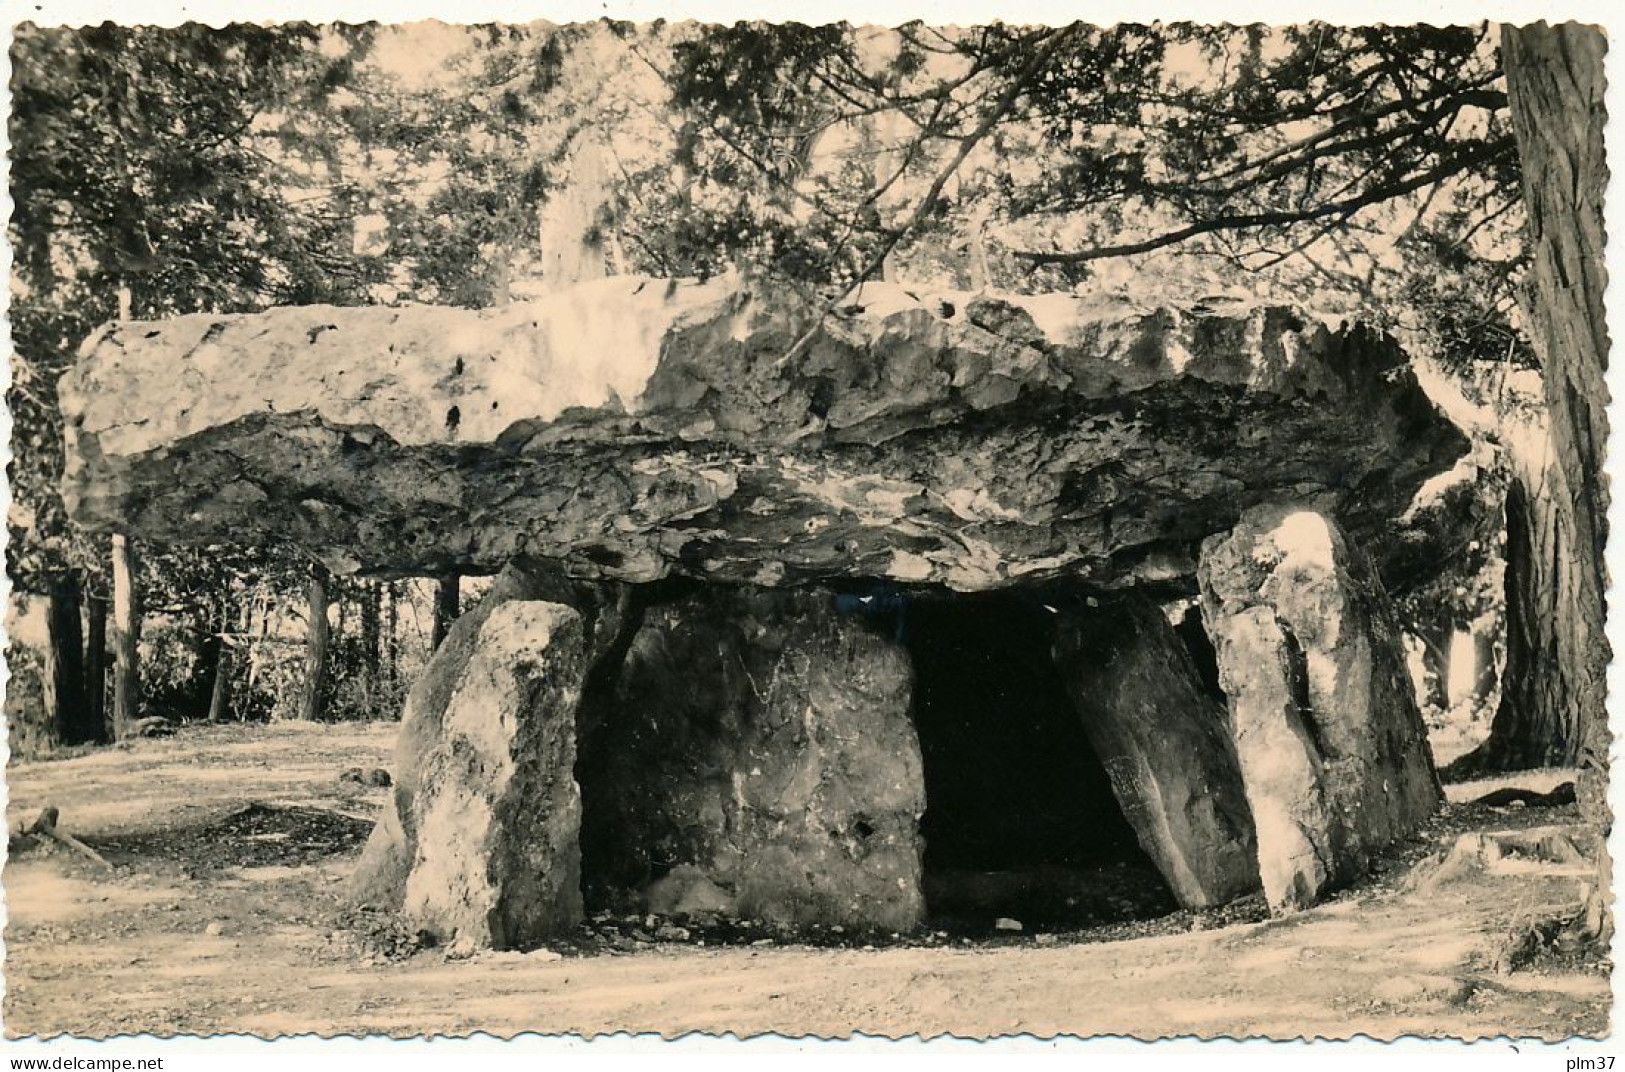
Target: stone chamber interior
<point>1020,818</point>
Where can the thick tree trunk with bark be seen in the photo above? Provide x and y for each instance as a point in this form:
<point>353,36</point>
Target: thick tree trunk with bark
<point>1538,720</point>
<point>1554,688</point>
<point>1555,681</point>
<point>126,637</point>
<point>63,676</point>
<point>317,641</point>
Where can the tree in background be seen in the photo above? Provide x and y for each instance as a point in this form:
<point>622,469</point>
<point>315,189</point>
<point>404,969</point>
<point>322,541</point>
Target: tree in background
<point>149,170</point>
<point>1558,650</point>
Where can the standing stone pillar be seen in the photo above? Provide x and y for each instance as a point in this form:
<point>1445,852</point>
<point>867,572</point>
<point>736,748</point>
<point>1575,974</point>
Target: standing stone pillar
<point>1163,741</point>
<point>393,849</point>
<point>380,876</point>
<point>761,763</point>
<point>497,812</point>
<point>1333,750</point>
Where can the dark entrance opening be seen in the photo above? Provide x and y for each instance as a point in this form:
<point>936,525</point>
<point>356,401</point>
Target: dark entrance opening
<point>1020,818</point>
<point>1206,660</point>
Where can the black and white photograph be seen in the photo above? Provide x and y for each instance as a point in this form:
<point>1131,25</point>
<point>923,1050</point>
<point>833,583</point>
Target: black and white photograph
<point>815,529</point>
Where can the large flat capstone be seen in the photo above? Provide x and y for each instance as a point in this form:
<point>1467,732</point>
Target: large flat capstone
<point>635,428</point>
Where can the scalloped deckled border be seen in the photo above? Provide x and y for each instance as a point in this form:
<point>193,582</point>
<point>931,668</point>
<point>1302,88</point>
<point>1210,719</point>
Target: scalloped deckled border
<point>218,12</point>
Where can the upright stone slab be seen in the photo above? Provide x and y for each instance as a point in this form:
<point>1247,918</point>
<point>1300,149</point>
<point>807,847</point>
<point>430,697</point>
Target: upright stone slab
<point>760,747</point>
<point>1163,741</point>
<point>1333,750</point>
<point>1299,838</point>
<point>380,876</point>
<point>497,811</point>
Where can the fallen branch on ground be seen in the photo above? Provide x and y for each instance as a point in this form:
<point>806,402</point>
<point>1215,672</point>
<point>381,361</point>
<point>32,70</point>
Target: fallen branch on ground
<point>45,826</point>
<point>1557,798</point>
<point>150,726</point>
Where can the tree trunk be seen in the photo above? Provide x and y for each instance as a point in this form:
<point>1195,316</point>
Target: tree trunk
<point>126,637</point>
<point>1436,639</point>
<point>96,665</point>
<point>62,679</point>
<point>220,695</point>
<point>569,234</point>
<point>372,649</point>
<point>392,647</point>
<point>250,656</point>
<point>1535,725</point>
<point>1555,82</point>
<point>1553,688</point>
<point>447,597</point>
<point>1485,675</point>
<point>313,702</point>
<point>217,657</point>
<point>502,278</point>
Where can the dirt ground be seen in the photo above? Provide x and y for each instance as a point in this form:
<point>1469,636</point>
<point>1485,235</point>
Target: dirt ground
<point>225,912</point>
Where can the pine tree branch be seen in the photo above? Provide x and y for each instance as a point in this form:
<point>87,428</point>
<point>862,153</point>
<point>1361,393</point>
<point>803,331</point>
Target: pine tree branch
<point>1000,109</point>
<point>1456,96</point>
<point>1278,164</point>
<point>1497,149</point>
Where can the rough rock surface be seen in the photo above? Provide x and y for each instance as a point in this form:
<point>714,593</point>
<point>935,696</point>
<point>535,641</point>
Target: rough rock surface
<point>761,743</point>
<point>635,428</point>
<point>1165,745</point>
<point>380,876</point>
<point>497,811</point>
<point>1333,751</point>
